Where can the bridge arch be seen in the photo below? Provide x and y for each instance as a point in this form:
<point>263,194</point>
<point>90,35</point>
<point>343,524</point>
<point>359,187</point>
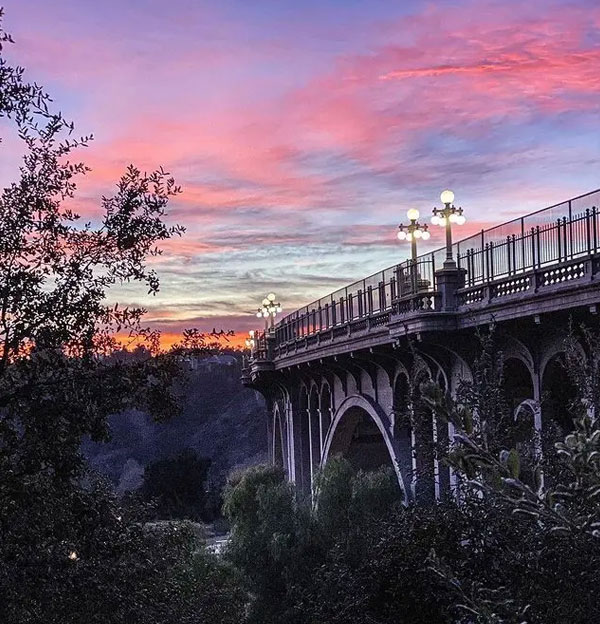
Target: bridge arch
<point>314,427</point>
<point>357,417</point>
<point>303,448</point>
<point>326,407</point>
<point>517,381</point>
<point>278,444</point>
<point>558,391</point>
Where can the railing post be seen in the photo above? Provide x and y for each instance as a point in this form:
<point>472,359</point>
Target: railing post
<point>522,243</point>
<point>595,226</point>
<point>559,240</point>
<point>570,230</point>
<point>470,267</point>
<point>588,230</point>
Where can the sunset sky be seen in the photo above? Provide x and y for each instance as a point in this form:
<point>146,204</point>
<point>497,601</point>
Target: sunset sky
<point>302,130</point>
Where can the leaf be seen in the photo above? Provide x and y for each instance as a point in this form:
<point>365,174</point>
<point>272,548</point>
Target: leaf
<point>513,463</point>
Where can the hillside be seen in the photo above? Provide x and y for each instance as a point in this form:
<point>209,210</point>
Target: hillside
<point>221,420</point>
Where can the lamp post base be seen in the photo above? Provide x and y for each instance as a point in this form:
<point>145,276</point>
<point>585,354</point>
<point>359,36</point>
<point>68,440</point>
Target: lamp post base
<point>448,281</point>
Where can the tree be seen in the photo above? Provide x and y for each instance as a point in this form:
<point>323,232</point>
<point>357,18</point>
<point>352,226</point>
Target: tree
<point>69,552</point>
<point>177,486</point>
<point>537,543</point>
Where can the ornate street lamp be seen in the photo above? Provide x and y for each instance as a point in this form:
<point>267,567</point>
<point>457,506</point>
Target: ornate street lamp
<point>445,217</point>
<point>250,340</point>
<point>413,231</point>
<point>268,310</point>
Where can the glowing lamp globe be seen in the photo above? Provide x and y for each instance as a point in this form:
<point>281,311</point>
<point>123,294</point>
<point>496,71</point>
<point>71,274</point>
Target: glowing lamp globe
<point>278,308</point>
<point>435,220</point>
<point>271,296</point>
<point>258,314</point>
<point>426,235</point>
<point>413,214</point>
<point>441,221</point>
<point>460,220</point>
<point>401,235</point>
<point>447,197</point>
<point>408,236</point>
<point>417,233</point>
<point>453,218</point>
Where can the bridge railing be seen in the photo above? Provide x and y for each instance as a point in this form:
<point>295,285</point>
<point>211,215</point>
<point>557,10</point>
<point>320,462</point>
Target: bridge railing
<point>366,298</point>
<point>550,236</point>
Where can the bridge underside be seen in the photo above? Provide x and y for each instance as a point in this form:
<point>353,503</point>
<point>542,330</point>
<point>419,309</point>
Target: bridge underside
<point>359,403</point>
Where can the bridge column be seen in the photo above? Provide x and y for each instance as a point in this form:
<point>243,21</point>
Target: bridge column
<point>448,281</point>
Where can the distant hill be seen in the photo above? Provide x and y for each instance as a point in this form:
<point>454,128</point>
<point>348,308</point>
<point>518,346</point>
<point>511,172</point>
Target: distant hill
<point>221,420</point>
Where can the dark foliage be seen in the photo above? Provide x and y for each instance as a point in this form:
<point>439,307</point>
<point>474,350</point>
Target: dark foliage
<point>177,485</point>
<point>69,553</point>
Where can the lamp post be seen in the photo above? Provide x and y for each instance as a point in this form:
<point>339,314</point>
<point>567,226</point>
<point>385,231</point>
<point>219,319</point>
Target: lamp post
<point>412,232</point>
<point>445,217</point>
<point>268,310</point>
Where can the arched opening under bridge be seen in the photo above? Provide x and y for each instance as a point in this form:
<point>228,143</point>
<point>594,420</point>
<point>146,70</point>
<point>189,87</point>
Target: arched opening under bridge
<point>357,437</point>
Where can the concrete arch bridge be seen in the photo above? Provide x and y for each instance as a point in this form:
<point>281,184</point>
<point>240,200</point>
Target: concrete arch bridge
<point>340,375</point>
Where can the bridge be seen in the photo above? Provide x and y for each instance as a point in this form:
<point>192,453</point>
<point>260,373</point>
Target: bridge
<point>342,374</point>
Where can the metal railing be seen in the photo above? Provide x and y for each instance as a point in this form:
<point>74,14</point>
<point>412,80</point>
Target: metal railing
<point>363,299</point>
<point>549,236</point>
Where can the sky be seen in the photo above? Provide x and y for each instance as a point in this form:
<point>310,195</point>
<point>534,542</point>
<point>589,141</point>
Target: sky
<point>302,130</point>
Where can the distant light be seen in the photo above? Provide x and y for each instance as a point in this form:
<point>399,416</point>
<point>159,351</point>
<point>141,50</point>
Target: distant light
<point>426,235</point>
<point>413,214</point>
<point>73,556</point>
<point>447,197</point>
<point>251,333</point>
<point>271,296</point>
<point>401,235</point>
<point>460,220</point>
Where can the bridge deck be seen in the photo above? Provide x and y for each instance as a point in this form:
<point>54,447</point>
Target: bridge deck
<point>542,262</point>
